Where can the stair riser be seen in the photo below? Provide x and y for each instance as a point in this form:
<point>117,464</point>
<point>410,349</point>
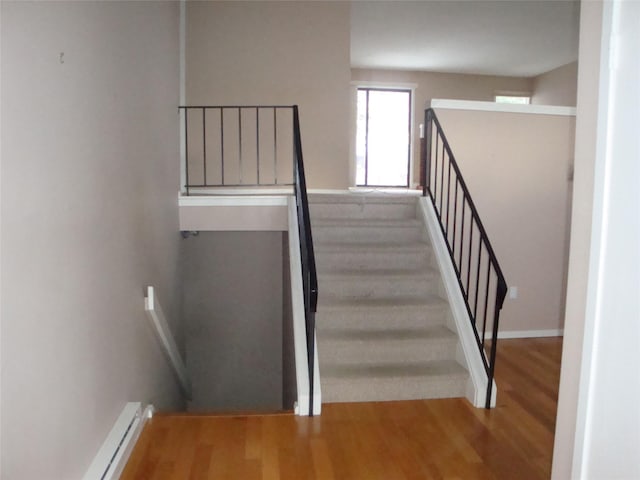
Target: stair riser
<point>376,287</point>
<point>361,211</point>
<point>380,319</point>
<point>343,261</point>
<point>354,198</point>
<point>350,235</point>
<point>377,390</point>
<point>369,353</point>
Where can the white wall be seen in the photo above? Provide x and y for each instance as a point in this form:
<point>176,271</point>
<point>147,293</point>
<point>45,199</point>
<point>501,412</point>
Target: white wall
<point>586,134</point>
<point>257,53</point>
<point>608,425</point>
<point>89,217</point>
<point>598,426</point>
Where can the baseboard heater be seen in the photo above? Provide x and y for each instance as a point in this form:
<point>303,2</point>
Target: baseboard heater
<point>117,447</point>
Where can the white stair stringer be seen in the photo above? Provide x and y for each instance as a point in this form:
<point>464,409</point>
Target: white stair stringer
<point>476,391</point>
<point>384,325</point>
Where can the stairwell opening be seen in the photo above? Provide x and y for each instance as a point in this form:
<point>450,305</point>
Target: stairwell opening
<point>237,317</point>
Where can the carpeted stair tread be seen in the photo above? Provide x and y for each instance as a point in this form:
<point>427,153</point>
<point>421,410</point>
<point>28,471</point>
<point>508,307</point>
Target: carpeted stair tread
<point>384,382</point>
<point>371,248</point>
<point>395,334</point>
<point>362,233</point>
<point>380,313</point>
<point>388,274</point>
<point>350,346</point>
<point>336,302</point>
<point>379,285</point>
<point>365,223</point>
<point>390,370</point>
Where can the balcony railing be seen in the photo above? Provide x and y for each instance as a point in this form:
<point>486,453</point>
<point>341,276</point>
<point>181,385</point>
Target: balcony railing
<point>237,146</point>
<point>254,146</point>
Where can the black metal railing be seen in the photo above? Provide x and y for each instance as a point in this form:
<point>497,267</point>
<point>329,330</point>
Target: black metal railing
<point>251,146</point>
<point>309,277</point>
<point>479,275</point>
<point>237,146</point>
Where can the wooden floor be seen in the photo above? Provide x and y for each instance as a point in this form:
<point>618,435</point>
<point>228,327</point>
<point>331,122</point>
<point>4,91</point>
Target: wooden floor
<point>427,439</point>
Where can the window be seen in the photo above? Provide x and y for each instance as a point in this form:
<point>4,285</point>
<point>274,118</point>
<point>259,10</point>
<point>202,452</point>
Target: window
<point>383,136</point>
<point>513,99</point>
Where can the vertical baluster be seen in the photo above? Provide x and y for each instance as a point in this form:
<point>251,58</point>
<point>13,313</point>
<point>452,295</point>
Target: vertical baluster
<point>470,250</point>
<point>475,300</point>
<point>455,221</point>
<point>448,198</point>
<point>204,146</point>
<point>435,176</point>
<point>186,149</point>
<point>486,300</point>
<point>494,347</point>
<point>258,145</point>
<point>240,141</point>
<point>442,179</point>
<point>222,144</point>
<point>275,147</point>
<point>464,204</point>
<point>426,155</point>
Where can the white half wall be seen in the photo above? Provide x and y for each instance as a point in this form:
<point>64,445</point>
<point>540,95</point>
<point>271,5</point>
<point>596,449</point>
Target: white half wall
<point>234,213</point>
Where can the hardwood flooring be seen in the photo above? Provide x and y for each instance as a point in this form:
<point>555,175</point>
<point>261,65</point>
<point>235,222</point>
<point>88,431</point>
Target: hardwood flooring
<point>425,439</point>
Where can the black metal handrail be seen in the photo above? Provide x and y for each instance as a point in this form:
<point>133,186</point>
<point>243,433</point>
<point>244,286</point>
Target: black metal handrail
<point>243,136</point>
<point>236,145</point>
<point>309,276</point>
<point>446,192</point>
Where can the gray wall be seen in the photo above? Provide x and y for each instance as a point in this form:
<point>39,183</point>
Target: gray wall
<point>232,306</point>
<point>289,390</point>
<point>89,217</point>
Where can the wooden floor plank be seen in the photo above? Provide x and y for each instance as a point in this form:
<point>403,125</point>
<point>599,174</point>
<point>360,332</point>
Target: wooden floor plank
<point>424,439</point>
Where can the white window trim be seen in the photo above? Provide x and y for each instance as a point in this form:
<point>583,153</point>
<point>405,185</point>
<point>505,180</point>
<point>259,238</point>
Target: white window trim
<point>355,84</point>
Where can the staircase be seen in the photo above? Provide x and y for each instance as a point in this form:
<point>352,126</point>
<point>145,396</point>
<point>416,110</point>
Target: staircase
<point>382,318</point>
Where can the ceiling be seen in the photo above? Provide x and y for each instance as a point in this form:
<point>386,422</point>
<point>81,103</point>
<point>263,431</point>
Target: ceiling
<point>509,37</point>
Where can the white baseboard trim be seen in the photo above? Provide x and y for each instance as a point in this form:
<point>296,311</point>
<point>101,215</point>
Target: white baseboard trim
<point>558,332</point>
<point>112,457</point>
